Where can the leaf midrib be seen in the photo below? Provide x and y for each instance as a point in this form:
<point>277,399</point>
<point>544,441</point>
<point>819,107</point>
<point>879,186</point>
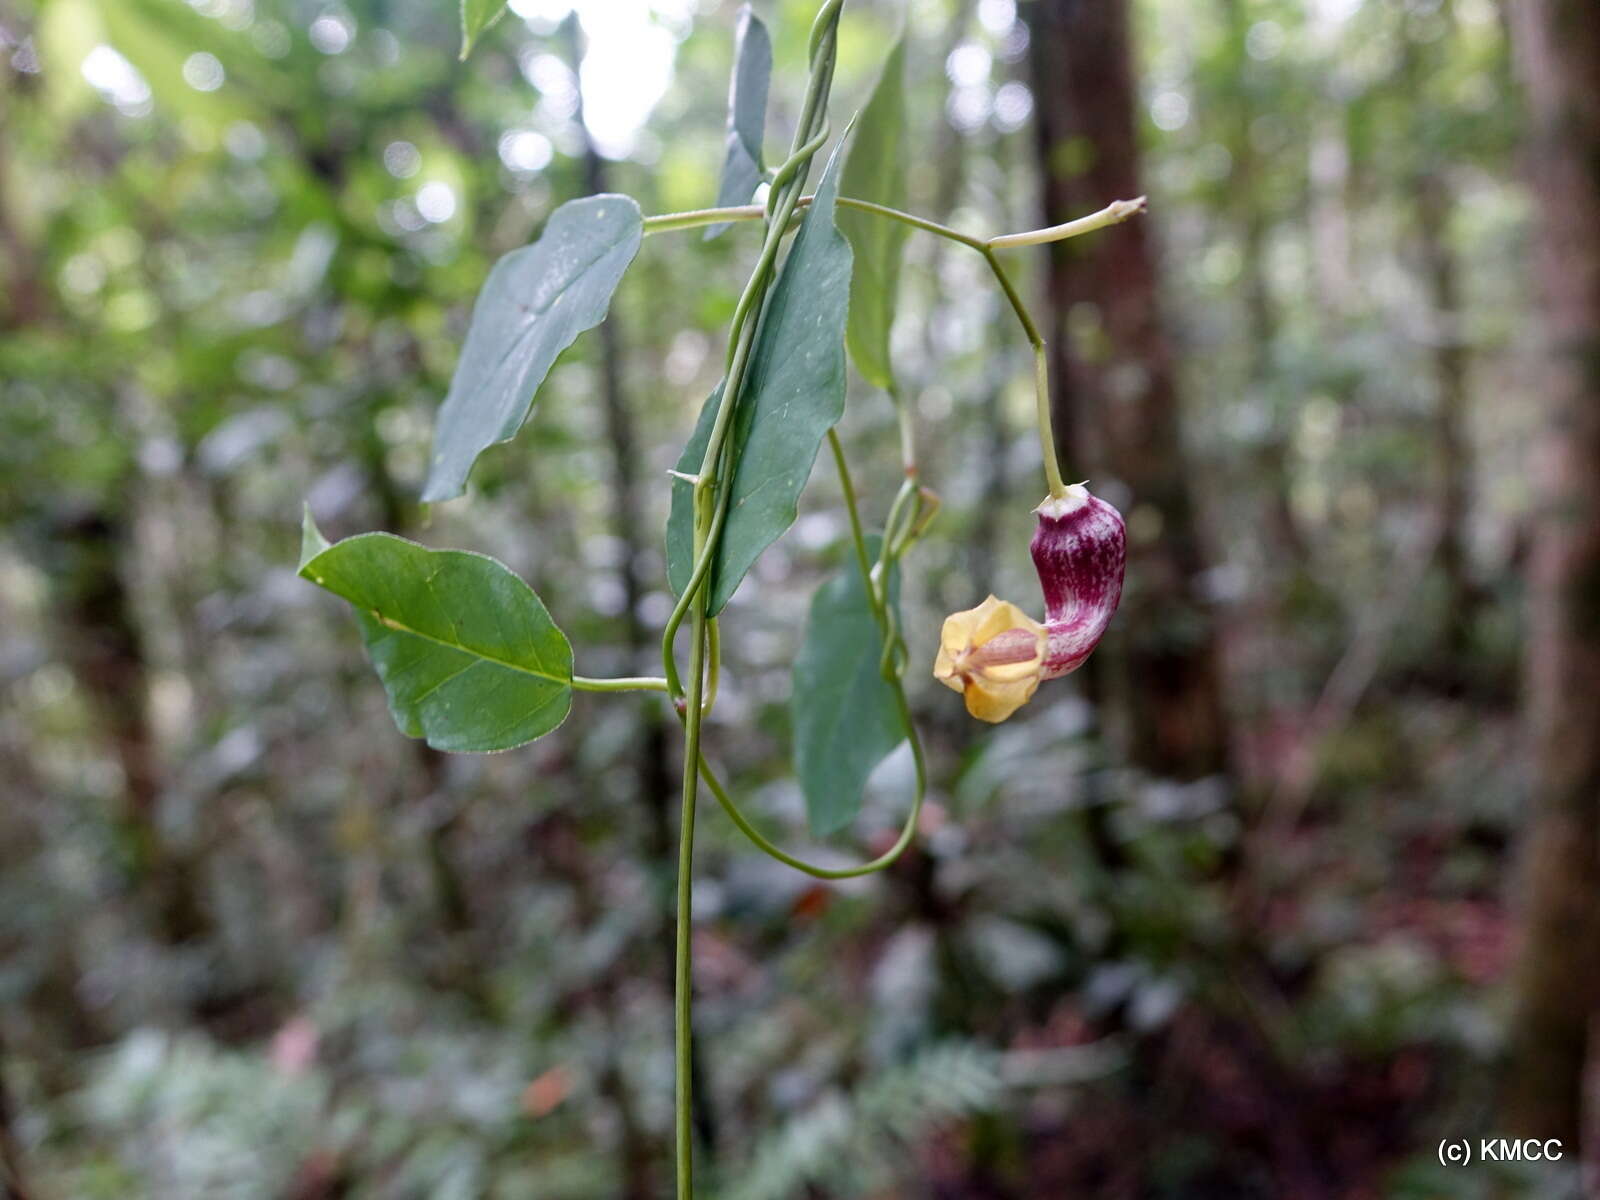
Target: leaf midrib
<point>401,627</point>
<point>532,314</point>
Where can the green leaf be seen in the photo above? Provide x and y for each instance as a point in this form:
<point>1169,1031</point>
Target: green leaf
<point>875,170</point>
<point>469,656</point>
<point>535,303</point>
<point>793,394</point>
<point>747,115</point>
<point>476,17</point>
<point>846,716</point>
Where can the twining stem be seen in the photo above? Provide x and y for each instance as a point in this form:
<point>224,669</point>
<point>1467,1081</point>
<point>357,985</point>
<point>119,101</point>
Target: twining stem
<point>877,598</point>
<point>852,510</point>
<point>682,1024</point>
<point>788,183</point>
<point>887,859</point>
<point>710,506</point>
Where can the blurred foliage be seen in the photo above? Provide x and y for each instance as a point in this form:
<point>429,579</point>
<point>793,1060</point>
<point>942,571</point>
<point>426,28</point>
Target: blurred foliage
<point>254,943</point>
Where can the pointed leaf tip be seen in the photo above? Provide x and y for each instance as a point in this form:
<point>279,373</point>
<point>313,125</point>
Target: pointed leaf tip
<point>476,17</point>
<point>747,115</point>
<point>535,303</point>
<point>312,543</point>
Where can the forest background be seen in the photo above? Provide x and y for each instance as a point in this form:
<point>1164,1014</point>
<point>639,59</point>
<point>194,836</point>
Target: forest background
<point>1241,910</point>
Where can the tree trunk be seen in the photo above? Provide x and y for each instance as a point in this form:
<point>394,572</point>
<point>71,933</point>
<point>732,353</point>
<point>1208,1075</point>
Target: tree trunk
<point>1557,982</point>
<point>1433,205</point>
<point>12,1185</point>
<point>1116,402</point>
<point>1432,208</point>
<point>102,648</point>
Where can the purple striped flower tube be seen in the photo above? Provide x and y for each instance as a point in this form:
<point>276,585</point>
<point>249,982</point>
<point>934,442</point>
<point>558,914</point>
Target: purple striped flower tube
<point>995,655</point>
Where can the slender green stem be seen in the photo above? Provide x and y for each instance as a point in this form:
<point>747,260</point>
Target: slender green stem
<point>881,612</point>
<point>1014,297</point>
<point>710,506</point>
<point>908,433</point>
<point>891,525</point>
<point>908,831</point>
<point>714,672</point>
<point>682,1025</point>
<point>1041,375</point>
<point>1047,433</point>
<point>911,219</point>
<point>788,183</point>
<point>1112,214</point>
<point>702,568</point>
<point>857,537</point>
<point>694,218</point>
<point>631,683</point>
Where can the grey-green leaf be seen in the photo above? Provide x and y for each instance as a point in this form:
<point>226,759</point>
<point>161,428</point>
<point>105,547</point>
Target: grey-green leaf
<point>846,716</point>
<point>535,303</point>
<point>466,651</point>
<point>747,115</point>
<point>476,17</point>
<point>875,170</point>
<point>793,394</point>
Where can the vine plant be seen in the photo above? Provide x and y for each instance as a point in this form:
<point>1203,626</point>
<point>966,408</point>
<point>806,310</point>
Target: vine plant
<point>471,659</point>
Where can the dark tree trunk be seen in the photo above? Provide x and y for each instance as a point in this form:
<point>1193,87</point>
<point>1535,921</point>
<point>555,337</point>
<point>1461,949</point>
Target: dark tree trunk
<point>101,645</point>
<point>12,1185</point>
<point>24,301</point>
<point>1557,984</point>
<point>1433,205</point>
<point>1432,209</point>
<point>1116,402</point>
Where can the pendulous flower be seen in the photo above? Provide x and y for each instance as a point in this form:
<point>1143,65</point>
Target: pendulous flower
<point>995,654</point>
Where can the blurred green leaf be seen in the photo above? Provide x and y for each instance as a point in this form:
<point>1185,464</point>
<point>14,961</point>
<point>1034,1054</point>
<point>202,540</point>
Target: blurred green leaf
<point>159,38</point>
<point>67,31</point>
<point>875,170</point>
<point>846,716</point>
<point>467,652</point>
<point>536,302</point>
<point>476,17</point>
<point>747,114</point>
<point>793,394</point>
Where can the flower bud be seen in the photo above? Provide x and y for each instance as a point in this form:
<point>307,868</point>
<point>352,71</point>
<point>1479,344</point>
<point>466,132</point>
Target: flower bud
<point>995,654</point>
